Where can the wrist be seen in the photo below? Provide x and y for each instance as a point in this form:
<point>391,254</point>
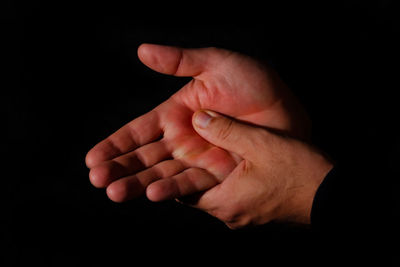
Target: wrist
<point>300,195</point>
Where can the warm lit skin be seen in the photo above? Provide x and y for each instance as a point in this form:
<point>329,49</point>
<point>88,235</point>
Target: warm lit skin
<point>160,153</point>
<point>276,180</point>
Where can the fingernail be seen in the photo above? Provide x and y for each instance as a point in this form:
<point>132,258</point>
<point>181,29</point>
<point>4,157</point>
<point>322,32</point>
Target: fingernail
<point>203,118</point>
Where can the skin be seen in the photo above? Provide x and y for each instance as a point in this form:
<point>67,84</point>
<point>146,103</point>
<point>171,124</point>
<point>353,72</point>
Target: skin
<point>161,154</point>
<point>276,180</point>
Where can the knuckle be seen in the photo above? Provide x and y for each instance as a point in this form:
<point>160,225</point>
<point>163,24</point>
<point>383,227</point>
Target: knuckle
<point>225,132</point>
<point>226,216</point>
<point>230,214</point>
<point>237,224</point>
<point>245,168</point>
<point>232,226</point>
<point>233,216</point>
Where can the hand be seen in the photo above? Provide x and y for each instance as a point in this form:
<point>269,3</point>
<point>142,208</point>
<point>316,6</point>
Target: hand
<point>135,156</point>
<point>276,180</point>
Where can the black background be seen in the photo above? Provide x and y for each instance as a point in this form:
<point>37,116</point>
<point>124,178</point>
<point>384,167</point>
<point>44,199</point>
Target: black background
<point>71,77</point>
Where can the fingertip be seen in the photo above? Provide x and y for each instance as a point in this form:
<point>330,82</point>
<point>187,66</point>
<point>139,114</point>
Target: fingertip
<point>153,193</point>
<point>95,156</point>
<point>143,50</point>
<point>102,175</point>
<point>117,192</point>
<point>94,178</point>
<point>159,191</point>
<point>125,189</point>
<point>89,160</point>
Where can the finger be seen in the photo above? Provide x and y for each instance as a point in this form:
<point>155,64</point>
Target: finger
<point>188,182</point>
<point>227,133</point>
<point>209,168</point>
<point>148,155</point>
<point>178,61</point>
<point>135,185</point>
<point>138,132</point>
<point>224,193</point>
<point>215,160</point>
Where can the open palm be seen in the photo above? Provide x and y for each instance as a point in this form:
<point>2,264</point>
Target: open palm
<point>161,152</point>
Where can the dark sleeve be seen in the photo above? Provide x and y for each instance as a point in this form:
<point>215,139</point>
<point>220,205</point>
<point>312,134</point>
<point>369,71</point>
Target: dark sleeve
<point>355,196</point>
<point>352,207</point>
<point>335,203</point>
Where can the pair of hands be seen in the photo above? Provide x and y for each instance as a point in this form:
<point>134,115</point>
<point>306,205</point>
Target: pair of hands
<point>244,173</point>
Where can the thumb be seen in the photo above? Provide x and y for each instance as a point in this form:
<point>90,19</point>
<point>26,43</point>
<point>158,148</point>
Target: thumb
<point>224,132</point>
<point>179,61</point>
